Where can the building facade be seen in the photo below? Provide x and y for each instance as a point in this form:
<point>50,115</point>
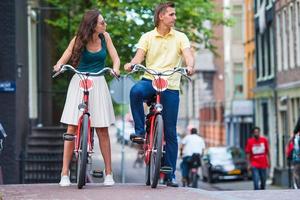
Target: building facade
<point>264,92</point>
<point>13,87</point>
<point>287,26</point>
<point>238,109</point>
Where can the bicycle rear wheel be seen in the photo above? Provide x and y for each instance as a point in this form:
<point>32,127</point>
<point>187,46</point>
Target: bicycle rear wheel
<point>147,173</point>
<point>82,154</point>
<point>156,153</point>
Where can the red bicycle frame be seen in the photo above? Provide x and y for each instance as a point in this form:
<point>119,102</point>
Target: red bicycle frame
<point>149,136</point>
<point>86,111</point>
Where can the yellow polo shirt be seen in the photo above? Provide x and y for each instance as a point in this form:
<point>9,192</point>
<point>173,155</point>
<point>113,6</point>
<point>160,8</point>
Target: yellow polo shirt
<point>164,53</point>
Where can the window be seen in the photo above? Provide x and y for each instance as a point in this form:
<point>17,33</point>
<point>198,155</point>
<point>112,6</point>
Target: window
<point>291,37</point>
<point>259,56</point>
<point>297,28</point>
<point>237,30</point>
<point>255,6</point>
<point>263,55</point>
<point>278,42</point>
<point>271,50</point>
<point>266,52</point>
<point>238,80</point>
<point>265,118</point>
<point>284,40</point>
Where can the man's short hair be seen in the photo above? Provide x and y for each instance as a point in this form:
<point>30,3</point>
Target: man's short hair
<point>194,131</point>
<point>161,8</point>
<point>255,128</point>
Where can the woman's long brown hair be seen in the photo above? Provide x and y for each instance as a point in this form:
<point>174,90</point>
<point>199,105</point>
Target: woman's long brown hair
<point>84,34</point>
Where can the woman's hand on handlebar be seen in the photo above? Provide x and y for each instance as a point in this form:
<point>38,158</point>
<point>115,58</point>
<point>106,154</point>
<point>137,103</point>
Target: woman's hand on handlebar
<point>57,67</point>
<point>117,72</point>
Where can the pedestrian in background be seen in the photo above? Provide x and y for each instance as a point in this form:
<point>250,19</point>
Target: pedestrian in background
<point>293,154</point>
<point>257,149</point>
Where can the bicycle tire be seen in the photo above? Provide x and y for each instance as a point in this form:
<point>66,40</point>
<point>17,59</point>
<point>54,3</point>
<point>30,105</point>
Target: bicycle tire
<point>82,154</point>
<point>156,153</point>
<point>147,168</point>
<point>194,179</point>
<point>147,175</point>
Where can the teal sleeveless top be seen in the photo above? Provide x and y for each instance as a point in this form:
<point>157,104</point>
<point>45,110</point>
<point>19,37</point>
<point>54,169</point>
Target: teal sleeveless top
<point>93,61</point>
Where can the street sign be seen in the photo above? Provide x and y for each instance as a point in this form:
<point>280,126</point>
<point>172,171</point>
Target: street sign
<point>7,86</point>
<point>120,89</point>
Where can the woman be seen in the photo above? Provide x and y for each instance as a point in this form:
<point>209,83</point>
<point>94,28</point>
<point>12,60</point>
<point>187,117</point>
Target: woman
<point>293,154</point>
<point>87,52</point>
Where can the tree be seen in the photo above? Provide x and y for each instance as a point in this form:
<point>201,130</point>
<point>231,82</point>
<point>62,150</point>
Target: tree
<point>128,19</point>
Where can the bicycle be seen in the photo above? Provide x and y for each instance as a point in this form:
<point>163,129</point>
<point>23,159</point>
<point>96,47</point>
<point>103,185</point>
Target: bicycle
<point>84,142</point>
<point>154,142</point>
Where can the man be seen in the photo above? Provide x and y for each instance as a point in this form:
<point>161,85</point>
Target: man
<point>257,150</point>
<point>163,48</point>
<point>191,144</point>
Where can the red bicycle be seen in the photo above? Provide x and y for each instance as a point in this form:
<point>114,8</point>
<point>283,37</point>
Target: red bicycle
<point>154,142</point>
<point>84,142</point>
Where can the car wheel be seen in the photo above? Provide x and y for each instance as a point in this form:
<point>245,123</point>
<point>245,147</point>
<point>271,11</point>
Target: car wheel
<point>209,177</point>
<point>204,179</point>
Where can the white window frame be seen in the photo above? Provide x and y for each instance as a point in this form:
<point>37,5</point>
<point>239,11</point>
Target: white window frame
<point>278,42</point>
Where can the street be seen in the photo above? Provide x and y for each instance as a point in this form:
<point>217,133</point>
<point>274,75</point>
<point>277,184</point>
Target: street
<point>135,188</point>
<point>136,175</point>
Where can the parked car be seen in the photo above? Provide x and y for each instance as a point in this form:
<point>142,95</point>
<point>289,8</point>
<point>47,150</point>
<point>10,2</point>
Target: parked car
<point>223,163</point>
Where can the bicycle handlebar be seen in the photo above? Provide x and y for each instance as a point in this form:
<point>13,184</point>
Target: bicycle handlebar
<point>139,67</point>
<point>99,73</point>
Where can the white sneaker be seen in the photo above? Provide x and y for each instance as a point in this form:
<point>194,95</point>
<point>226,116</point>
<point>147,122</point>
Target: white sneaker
<point>109,180</point>
<point>65,181</point>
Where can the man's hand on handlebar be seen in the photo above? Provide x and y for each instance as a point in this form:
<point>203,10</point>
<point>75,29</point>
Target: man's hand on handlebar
<point>128,67</point>
<point>190,70</point>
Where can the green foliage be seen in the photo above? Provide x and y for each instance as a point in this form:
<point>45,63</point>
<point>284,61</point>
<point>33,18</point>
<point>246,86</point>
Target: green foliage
<point>127,20</point>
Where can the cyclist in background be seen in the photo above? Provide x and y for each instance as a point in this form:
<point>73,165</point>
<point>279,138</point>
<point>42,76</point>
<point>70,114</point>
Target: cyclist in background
<point>190,144</point>
<point>163,48</point>
<point>87,51</point>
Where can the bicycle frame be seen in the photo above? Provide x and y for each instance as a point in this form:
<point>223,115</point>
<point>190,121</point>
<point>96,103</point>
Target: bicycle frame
<point>155,142</point>
<point>86,111</point>
<point>150,135</point>
<point>159,84</point>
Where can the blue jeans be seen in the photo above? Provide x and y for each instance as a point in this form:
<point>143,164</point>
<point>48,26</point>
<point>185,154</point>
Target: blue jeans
<point>142,91</point>
<point>185,166</point>
<point>259,174</point>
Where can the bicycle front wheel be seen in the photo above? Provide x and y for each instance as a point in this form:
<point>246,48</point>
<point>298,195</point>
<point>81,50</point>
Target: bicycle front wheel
<point>156,153</point>
<point>82,154</point>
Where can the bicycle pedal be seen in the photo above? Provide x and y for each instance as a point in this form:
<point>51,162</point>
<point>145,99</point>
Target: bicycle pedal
<point>97,174</point>
<point>138,140</point>
<point>166,169</point>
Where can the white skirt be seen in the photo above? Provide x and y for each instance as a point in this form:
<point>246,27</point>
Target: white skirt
<point>100,104</point>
